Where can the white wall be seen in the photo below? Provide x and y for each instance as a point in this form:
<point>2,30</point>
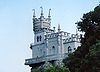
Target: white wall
<point>38,50</point>
<point>72,45</point>
<point>52,42</point>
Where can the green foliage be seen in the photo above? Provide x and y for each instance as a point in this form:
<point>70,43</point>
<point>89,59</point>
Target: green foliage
<point>90,63</point>
<point>95,49</point>
<point>36,70</point>
<point>90,24</point>
<point>57,69</point>
<point>87,57</point>
<point>52,69</point>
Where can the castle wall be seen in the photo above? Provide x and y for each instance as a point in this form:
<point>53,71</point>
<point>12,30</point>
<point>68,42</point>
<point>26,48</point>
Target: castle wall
<point>52,46</point>
<point>38,50</point>
<point>73,45</point>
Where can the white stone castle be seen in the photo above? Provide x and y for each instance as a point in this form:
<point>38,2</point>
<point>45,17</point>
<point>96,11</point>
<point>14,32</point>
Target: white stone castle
<point>49,45</point>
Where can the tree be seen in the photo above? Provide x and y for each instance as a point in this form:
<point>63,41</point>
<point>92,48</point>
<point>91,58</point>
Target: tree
<point>52,69</point>
<point>88,54</point>
<point>57,69</point>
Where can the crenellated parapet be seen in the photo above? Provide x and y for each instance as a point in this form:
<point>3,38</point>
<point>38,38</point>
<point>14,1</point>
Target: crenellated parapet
<point>41,22</point>
<point>53,35</point>
<point>72,38</point>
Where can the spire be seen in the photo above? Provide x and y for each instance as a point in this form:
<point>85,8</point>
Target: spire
<point>54,29</point>
<point>59,28</point>
<point>34,13</point>
<point>76,31</point>
<point>41,10</point>
<point>49,13</point>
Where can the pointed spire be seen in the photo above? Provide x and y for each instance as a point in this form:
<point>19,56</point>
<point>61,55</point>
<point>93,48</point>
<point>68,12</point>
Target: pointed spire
<point>76,31</point>
<point>54,29</point>
<point>59,28</point>
<point>34,13</point>
<point>41,10</point>
<point>49,13</point>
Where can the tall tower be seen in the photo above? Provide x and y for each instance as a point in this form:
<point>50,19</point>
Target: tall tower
<point>41,25</point>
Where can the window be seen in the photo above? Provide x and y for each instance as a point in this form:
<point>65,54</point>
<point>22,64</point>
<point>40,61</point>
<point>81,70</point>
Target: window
<point>69,49</point>
<point>53,46</point>
<point>74,48</point>
<point>40,37</point>
<point>37,38</point>
<point>53,49</point>
<point>43,53</point>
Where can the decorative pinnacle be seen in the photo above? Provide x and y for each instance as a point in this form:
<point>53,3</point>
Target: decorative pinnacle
<point>76,31</point>
<point>41,10</point>
<point>33,12</point>
<point>59,28</point>
<point>49,13</point>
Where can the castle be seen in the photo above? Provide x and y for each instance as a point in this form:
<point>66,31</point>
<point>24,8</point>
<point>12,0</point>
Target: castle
<point>50,45</point>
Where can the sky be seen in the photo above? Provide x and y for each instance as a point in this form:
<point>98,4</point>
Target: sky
<point>16,26</point>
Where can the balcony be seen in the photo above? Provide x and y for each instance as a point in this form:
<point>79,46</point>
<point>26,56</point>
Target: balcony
<point>43,59</point>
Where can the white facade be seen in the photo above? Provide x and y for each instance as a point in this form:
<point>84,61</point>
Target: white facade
<point>50,45</point>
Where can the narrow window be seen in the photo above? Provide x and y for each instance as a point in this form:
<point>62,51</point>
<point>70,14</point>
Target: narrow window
<point>44,53</point>
<point>69,49</point>
<point>40,37</point>
<point>53,49</point>
<point>74,48</point>
<point>53,46</point>
<point>37,38</point>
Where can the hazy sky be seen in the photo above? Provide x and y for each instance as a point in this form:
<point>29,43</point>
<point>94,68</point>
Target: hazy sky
<point>16,26</point>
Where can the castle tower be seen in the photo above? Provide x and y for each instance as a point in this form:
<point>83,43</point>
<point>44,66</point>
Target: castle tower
<point>41,25</point>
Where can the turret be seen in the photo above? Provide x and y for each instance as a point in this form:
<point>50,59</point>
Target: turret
<point>59,28</point>
<point>41,23</point>
<point>33,13</point>
<point>49,17</point>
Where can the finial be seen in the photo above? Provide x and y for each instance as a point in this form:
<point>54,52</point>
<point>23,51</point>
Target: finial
<point>54,29</point>
<point>76,31</point>
<point>33,12</point>
<point>41,10</point>
<point>49,13</point>
<point>59,28</point>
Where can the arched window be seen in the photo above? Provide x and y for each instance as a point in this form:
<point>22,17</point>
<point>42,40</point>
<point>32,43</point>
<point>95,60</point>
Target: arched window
<point>53,49</point>
<point>37,38</point>
<point>40,37</point>
<point>43,53</point>
<point>69,49</point>
<point>74,48</point>
<point>53,46</point>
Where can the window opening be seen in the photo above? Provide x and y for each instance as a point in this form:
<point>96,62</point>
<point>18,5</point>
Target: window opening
<point>37,38</point>
<point>69,49</point>
<point>40,37</point>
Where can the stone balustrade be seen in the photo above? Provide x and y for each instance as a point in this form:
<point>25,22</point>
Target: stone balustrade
<point>44,58</point>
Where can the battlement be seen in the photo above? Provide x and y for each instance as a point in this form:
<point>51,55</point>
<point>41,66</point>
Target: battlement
<point>36,20</point>
<point>72,38</point>
<point>41,22</point>
<point>67,37</point>
<point>51,35</point>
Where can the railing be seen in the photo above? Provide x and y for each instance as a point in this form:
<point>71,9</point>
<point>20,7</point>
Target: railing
<point>44,58</point>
